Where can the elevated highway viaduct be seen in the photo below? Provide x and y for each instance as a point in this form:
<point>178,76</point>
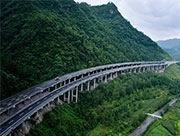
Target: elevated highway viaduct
<point>16,109</point>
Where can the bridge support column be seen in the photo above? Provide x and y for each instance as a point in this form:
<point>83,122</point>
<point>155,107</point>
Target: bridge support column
<point>94,84</point>
<point>88,85</point>
<point>76,96</point>
<point>111,77</point>
<point>130,70</point>
<point>152,68</point>
<point>58,100</point>
<point>155,68</point>
<point>48,105</point>
<point>37,114</point>
<point>67,99</point>
<point>81,87</point>
<point>24,127</point>
<point>105,78</point>
<point>55,87</point>
<point>72,94</point>
<point>144,69</point>
<point>101,79</point>
<point>116,74</point>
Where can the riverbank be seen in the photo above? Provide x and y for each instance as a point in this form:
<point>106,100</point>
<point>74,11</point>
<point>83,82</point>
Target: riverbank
<point>169,125</point>
<point>143,127</point>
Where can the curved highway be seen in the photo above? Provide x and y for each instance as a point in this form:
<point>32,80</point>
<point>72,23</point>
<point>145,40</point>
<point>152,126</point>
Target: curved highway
<point>65,85</point>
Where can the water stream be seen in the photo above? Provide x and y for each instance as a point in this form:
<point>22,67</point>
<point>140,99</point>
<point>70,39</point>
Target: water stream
<point>144,125</point>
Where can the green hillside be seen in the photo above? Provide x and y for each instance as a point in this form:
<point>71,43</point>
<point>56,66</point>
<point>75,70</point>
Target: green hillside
<point>113,109</point>
<point>171,46</point>
<point>169,125</point>
<point>44,38</point>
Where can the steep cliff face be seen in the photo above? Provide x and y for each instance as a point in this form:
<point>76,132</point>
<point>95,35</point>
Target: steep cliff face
<point>44,38</point>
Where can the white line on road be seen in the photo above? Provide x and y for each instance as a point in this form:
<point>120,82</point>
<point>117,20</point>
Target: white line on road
<point>10,121</point>
<point>21,114</point>
<point>30,108</point>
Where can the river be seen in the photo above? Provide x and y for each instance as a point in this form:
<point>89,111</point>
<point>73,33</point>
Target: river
<point>144,125</point>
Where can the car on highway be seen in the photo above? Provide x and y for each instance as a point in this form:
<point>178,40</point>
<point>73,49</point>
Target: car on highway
<point>57,78</point>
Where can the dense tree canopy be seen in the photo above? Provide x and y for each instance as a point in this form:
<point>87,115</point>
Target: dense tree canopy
<point>43,38</point>
<point>112,109</point>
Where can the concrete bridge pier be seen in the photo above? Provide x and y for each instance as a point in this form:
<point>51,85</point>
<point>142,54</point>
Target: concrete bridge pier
<point>116,74</point>
<point>67,97</point>
<point>81,87</point>
<point>134,70</point>
<point>137,70</point>
<point>58,100</point>
<point>94,83</point>
<point>143,69</point>
<point>152,68</point>
<point>88,85</point>
<point>130,70</point>
<point>155,68</point>
<point>111,76</point>
<point>101,79</point>
<point>37,114</point>
<point>24,128</point>
<point>105,80</point>
<point>74,94</point>
<point>55,87</point>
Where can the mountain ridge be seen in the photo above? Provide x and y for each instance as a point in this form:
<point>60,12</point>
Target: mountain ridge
<point>43,39</point>
<point>171,46</point>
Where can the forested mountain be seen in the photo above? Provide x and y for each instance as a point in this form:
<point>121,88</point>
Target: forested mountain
<point>41,39</point>
<point>171,46</point>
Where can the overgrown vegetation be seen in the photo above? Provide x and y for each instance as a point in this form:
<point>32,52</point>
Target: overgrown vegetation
<point>112,109</point>
<point>41,39</point>
<point>169,125</point>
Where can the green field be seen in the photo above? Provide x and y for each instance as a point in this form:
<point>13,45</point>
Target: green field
<point>169,125</point>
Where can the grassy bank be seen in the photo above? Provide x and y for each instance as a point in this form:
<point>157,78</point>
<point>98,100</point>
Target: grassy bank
<point>169,125</point>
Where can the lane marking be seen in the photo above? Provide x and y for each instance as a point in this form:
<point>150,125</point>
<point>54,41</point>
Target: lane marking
<point>10,122</point>
<point>21,114</point>
<point>30,108</point>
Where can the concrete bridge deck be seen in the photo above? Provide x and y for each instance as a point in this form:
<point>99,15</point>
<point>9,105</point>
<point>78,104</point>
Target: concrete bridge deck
<point>66,89</point>
<point>12,101</point>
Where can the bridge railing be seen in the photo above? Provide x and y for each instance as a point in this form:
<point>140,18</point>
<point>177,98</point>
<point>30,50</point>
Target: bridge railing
<point>66,79</point>
<point>67,87</point>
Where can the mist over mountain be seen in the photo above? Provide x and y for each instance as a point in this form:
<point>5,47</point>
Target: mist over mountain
<point>171,46</point>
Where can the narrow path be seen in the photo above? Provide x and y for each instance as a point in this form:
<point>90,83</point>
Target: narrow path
<point>144,125</point>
